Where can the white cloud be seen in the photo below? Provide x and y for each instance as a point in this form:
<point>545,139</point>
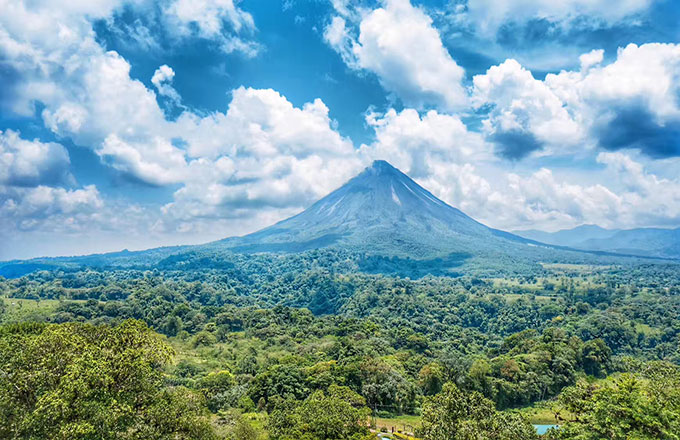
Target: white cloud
<point>32,163</point>
<point>542,200</point>
<point>209,15</point>
<point>263,153</point>
<point>43,220</point>
<point>527,115</point>
<point>440,153</point>
<point>343,7</point>
<point>162,80</point>
<point>629,103</point>
<point>31,196</point>
<point>213,19</point>
<point>646,74</point>
<point>592,58</point>
<point>647,199</point>
<point>416,143</point>
<point>489,15</point>
<point>338,36</point>
<point>400,45</point>
<point>45,200</point>
<point>155,160</point>
<point>86,93</point>
<point>262,123</point>
<point>62,209</point>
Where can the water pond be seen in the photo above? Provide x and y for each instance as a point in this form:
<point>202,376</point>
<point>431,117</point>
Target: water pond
<point>542,429</point>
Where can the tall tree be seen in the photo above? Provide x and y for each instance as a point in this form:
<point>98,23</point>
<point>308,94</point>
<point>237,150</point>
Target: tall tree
<point>79,381</point>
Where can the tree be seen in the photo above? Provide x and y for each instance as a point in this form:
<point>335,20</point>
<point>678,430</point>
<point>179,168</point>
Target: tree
<point>285,380</point>
<point>457,415</point>
<point>641,406</point>
<point>596,357</point>
<point>338,414</point>
<point>214,387</point>
<point>79,381</point>
<point>431,378</point>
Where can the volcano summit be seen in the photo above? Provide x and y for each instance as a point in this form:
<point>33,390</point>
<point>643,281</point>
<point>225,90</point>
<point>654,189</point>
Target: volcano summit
<point>383,211</point>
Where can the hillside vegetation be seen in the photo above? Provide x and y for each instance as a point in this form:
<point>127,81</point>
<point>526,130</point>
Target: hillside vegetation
<point>309,348</point>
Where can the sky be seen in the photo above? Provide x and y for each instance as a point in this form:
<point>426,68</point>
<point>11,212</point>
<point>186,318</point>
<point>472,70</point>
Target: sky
<point>130,124</point>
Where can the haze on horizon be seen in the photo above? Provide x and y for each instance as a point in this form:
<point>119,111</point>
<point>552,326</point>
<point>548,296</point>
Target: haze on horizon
<point>135,124</point>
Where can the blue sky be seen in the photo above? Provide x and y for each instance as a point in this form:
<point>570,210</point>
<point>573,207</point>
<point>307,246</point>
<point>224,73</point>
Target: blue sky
<point>140,123</point>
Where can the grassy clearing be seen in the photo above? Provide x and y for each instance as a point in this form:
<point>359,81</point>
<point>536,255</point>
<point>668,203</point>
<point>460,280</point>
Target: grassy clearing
<point>539,414</point>
<point>647,330</point>
<point>18,309</point>
<point>405,423</point>
<point>256,420</point>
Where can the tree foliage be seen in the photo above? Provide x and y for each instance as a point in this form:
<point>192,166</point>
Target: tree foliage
<point>336,414</point>
<point>643,405</point>
<point>457,415</point>
<point>79,381</point>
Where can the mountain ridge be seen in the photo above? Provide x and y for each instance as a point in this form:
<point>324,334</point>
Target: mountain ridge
<point>646,242</point>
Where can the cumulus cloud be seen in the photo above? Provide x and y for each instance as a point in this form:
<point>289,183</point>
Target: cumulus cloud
<point>85,92</point>
<point>542,200</point>
<point>457,165</point>
<point>155,161</point>
<point>526,115</point>
<point>32,174</point>
<point>42,220</point>
<point>54,210</point>
<point>31,163</point>
<point>592,58</point>
<point>262,153</point>
<point>628,103</point>
<point>415,143</point>
<point>399,43</point>
<point>162,80</point>
<point>631,102</point>
<point>262,122</point>
<point>43,201</point>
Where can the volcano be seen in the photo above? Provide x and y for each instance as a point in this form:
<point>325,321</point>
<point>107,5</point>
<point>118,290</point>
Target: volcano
<point>380,211</point>
<point>380,218</point>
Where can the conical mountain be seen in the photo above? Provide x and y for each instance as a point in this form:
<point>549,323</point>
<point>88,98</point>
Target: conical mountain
<point>392,224</point>
<point>381,211</point>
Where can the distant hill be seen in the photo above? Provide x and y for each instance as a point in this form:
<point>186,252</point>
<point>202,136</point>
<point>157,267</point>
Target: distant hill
<point>649,242</point>
<point>567,237</point>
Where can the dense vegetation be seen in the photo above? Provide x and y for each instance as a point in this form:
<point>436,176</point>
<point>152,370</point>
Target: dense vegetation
<point>79,381</point>
<point>307,347</point>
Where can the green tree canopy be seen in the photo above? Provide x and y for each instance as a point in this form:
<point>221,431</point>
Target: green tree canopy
<point>338,414</point>
<point>457,415</point>
<point>79,381</point>
<point>642,406</point>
